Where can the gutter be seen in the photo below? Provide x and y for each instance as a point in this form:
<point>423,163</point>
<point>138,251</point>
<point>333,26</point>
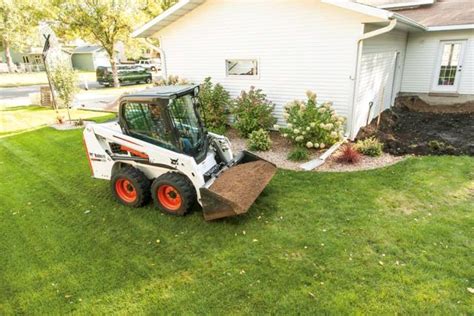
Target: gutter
<point>383,30</point>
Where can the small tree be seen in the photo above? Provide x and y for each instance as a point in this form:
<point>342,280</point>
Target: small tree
<point>64,79</point>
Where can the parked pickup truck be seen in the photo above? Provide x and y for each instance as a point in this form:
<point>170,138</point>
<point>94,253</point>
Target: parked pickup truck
<point>150,64</point>
<point>127,74</point>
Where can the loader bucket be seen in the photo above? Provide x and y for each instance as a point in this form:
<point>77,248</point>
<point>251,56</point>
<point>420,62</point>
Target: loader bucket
<point>236,189</point>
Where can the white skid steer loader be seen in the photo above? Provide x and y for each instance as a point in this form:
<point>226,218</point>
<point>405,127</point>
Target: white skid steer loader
<point>159,148</point>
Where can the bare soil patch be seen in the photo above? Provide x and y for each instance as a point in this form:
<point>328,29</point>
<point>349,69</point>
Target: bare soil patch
<point>69,125</point>
<point>404,131</point>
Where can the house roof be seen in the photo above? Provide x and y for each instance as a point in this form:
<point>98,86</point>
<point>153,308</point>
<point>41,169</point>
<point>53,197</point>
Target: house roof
<point>430,15</point>
<point>442,13</point>
<point>87,49</point>
<point>167,17</point>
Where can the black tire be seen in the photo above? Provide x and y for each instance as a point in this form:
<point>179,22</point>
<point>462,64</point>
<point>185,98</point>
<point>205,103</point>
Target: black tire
<point>183,188</point>
<point>127,178</point>
<point>148,80</point>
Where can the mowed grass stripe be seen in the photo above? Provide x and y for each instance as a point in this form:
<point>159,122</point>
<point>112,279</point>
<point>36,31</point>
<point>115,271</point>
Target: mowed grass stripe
<point>312,243</point>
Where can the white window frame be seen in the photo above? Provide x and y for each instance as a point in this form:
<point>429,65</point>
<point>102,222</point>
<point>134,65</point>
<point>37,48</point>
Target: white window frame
<point>257,76</point>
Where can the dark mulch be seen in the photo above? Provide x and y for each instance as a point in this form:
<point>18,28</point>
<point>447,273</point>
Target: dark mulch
<point>408,132</point>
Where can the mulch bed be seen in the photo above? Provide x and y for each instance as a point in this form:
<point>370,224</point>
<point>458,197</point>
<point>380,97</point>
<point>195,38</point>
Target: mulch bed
<point>404,131</point>
<point>281,147</point>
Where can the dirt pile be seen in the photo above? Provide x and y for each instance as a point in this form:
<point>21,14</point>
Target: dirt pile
<point>407,132</point>
<point>242,184</point>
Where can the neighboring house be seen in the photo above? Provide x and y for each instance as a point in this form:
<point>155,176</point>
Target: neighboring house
<point>30,59</point>
<point>358,56</point>
<point>89,57</point>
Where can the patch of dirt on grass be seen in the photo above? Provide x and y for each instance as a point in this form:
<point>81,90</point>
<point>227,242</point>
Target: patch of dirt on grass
<point>69,125</point>
<point>278,154</point>
<point>407,132</point>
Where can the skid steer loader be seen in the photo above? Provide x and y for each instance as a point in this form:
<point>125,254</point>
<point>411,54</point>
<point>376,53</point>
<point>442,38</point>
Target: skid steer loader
<point>159,148</point>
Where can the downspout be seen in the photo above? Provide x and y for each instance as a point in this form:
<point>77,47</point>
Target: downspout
<point>360,41</point>
<point>164,71</point>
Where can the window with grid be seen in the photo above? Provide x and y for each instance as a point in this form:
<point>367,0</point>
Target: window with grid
<point>449,64</point>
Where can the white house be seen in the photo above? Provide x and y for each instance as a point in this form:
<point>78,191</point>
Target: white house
<point>358,56</point>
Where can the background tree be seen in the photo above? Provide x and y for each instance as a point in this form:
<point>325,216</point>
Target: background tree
<point>105,22</point>
<point>18,25</point>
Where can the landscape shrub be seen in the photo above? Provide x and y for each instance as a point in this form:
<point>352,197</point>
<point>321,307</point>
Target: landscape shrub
<point>214,100</point>
<point>252,111</point>
<point>312,125</point>
<point>348,155</point>
<point>298,154</point>
<point>259,140</point>
<point>172,81</point>
<point>370,147</point>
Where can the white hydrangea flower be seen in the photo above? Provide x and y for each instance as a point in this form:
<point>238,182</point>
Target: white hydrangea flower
<point>299,138</point>
<point>296,131</point>
<point>329,126</point>
<point>303,132</point>
<point>316,145</point>
<point>285,135</point>
<point>308,128</point>
<point>289,125</point>
<point>334,134</point>
<point>322,125</point>
<point>322,145</point>
<point>276,126</point>
<point>286,115</point>
<point>322,110</point>
<point>312,124</point>
<point>309,145</point>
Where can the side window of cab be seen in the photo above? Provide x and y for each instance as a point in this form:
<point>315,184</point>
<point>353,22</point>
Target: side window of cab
<point>149,123</point>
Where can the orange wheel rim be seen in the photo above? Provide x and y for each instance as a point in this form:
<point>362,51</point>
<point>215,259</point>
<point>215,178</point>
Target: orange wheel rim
<point>125,190</point>
<point>169,197</point>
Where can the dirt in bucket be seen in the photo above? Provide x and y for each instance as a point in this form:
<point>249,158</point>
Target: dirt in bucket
<point>404,131</point>
<point>242,184</point>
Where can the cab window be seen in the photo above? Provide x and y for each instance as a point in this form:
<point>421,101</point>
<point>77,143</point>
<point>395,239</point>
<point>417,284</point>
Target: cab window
<point>148,122</point>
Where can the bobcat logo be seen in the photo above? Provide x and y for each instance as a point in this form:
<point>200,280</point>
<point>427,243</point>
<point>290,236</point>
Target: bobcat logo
<point>174,162</point>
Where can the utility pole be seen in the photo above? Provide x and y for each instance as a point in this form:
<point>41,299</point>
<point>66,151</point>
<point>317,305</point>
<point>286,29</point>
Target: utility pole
<point>45,53</point>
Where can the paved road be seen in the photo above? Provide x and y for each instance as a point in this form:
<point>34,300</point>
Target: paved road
<point>20,92</point>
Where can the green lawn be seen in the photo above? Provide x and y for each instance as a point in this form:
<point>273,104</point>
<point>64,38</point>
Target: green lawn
<point>392,241</point>
<point>22,118</point>
<point>8,80</point>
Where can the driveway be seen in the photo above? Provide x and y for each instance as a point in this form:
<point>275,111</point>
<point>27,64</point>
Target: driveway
<point>96,98</point>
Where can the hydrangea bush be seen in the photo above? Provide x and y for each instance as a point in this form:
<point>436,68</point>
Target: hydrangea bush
<point>312,125</point>
<point>259,140</point>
